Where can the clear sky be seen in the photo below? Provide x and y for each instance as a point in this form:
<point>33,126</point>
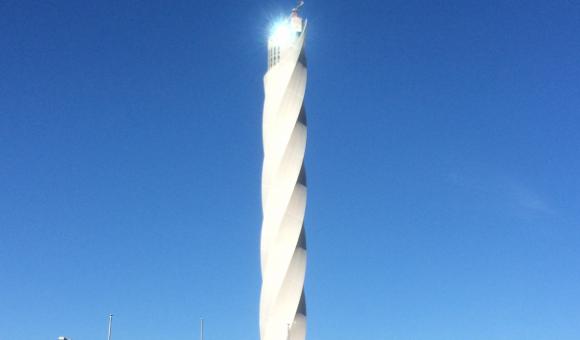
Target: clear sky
<point>443,165</point>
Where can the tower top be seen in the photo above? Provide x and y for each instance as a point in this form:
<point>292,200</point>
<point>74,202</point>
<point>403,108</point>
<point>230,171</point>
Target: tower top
<point>295,19</point>
<point>284,32</point>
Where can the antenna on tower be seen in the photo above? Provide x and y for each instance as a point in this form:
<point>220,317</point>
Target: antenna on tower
<point>299,4</point>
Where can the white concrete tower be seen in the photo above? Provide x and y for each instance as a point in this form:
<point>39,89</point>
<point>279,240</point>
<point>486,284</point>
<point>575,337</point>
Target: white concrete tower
<point>283,243</point>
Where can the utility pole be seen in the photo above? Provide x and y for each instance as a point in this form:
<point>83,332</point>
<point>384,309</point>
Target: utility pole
<point>200,329</point>
<point>110,326</point>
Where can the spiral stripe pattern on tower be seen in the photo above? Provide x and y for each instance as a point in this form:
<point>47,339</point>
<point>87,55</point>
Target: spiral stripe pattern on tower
<point>283,244</point>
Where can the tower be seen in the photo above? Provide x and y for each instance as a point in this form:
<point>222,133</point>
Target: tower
<point>283,243</point>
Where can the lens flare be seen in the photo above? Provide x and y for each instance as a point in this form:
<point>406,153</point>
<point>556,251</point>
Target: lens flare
<point>281,33</point>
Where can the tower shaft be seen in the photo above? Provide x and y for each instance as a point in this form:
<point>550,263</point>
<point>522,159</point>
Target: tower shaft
<point>283,242</point>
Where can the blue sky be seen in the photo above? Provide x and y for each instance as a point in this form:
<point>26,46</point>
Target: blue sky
<point>442,162</point>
